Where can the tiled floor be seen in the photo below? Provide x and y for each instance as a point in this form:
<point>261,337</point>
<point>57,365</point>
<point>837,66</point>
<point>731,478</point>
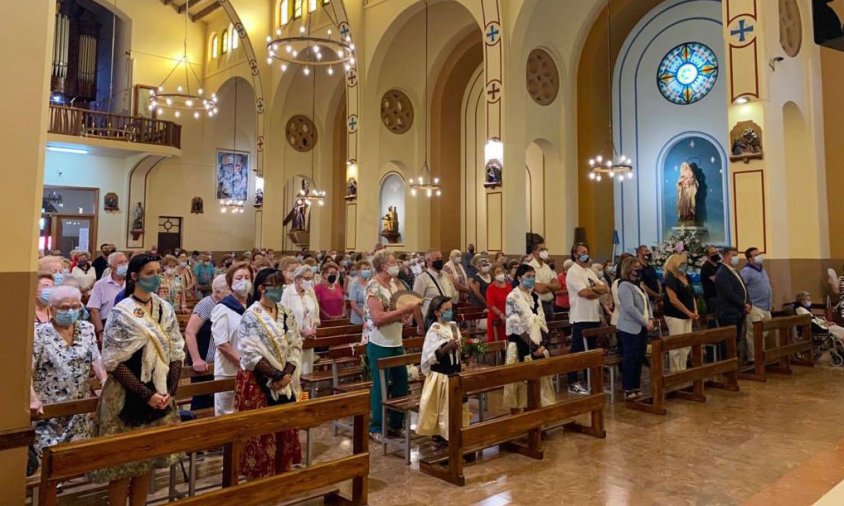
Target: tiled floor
<point>780,442</point>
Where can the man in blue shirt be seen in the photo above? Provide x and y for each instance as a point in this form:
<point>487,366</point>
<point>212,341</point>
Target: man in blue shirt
<point>758,291</point>
<point>204,272</point>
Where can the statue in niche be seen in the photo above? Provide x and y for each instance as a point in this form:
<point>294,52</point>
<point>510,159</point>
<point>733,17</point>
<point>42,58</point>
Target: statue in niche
<point>746,138</point>
<point>298,216</point>
<point>493,174</point>
<point>687,187</point>
<point>197,206</point>
<point>390,221</point>
<point>351,189</point>
<point>259,199</point>
<point>138,217</point>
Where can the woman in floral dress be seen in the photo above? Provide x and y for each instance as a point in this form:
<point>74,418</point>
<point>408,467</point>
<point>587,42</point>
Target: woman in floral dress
<point>270,364</point>
<point>64,352</point>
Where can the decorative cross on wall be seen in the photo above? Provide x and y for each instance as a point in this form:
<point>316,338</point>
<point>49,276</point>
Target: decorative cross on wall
<point>493,90</point>
<point>352,76</point>
<point>742,30</point>
<point>492,34</point>
<point>344,30</point>
<point>353,123</point>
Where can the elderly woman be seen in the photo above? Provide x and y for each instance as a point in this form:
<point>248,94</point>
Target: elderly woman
<point>198,338</point>
<point>635,320</point>
<point>525,324</point>
<point>329,294</point>
<point>64,351</point>
<point>42,297</point>
<point>479,281</point>
<point>357,292</point>
<point>382,330</point>
<point>457,274</point>
<point>679,305</point>
<point>270,359</point>
<point>143,352</point>
<point>301,300</point>
<point>53,264</point>
<point>183,269</point>
<point>172,287</point>
<point>225,325</point>
<point>84,272</point>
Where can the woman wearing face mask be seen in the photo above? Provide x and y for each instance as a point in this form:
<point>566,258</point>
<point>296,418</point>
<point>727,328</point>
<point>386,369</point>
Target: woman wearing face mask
<point>496,300</point>
<point>479,282</point>
<point>357,292</point>
<point>64,351</point>
<point>329,294</point>
<point>84,273</point>
<point>301,300</point>
<point>679,305</point>
<point>440,358</point>
<point>635,320</point>
<point>183,269</point>
<point>457,274</point>
<point>225,325</point>
<point>526,329</point>
<point>172,288</point>
<point>820,325</point>
<point>52,264</point>
<point>270,361</point>
<point>143,352</point>
<point>42,297</point>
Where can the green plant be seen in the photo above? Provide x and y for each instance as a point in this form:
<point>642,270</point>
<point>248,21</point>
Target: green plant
<point>474,347</point>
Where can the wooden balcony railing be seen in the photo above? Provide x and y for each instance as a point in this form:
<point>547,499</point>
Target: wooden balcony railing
<point>102,125</point>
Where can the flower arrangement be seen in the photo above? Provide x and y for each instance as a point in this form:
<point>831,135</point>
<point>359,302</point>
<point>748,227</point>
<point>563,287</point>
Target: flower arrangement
<point>474,348</point>
<point>686,241</point>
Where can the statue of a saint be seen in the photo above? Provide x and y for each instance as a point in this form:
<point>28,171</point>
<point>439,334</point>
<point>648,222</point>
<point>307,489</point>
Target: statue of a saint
<point>394,219</point>
<point>138,217</point>
<point>387,221</point>
<point>687,186</point>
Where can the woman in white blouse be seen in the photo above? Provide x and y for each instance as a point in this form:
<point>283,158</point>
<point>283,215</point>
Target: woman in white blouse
<point>225,322</point>
<point>301,300</point>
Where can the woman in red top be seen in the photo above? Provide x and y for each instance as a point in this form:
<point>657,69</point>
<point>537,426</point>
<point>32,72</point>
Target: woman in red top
<point>496,296</point>
<point>329,294</point>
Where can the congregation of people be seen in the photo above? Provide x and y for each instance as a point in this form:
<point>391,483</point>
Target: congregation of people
<point>116,319</point>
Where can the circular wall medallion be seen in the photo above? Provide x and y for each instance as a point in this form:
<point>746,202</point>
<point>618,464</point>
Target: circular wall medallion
<point>791,27</point>
<point>396,111</point>
<point>301,133</point>
<point>687,73</point>
<point>543,79</point>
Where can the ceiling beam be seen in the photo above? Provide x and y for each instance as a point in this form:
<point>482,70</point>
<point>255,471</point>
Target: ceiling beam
<point>166,2</point>
<point>206,11</point>
<point>181,9</point>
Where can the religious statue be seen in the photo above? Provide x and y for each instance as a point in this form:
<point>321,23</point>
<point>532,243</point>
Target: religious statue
<point>493,174</point>
<point>259,199</point>
<point>351,189</point>
<point>197,206</point>
<point>298,216</point>
<point>138,217</point>
<point>746,138</point>
<point>687,186</point>
<point>390,221</point>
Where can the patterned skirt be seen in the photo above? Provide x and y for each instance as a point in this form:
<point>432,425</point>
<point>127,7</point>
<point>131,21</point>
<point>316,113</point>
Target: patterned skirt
<point>258,459</point>
<point>107,422</point>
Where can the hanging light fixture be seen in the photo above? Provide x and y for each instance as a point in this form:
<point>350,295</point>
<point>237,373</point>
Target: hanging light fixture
<point>230,205</point>
<point>613,165</point>
<point>184,100</point>
<point>424,182</point>
<point>311,194</point>
<point>303,47</point>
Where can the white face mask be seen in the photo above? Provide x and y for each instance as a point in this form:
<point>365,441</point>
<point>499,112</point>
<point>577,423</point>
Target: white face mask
<point>485,269</point>
<point>758,259</point>
<point>169,271</point>
<point>543,254</point>
<point>393,270</point>
<point>500,278</point>
<point>307,283</point>
<point>734,260</point>
<point>242,287</point>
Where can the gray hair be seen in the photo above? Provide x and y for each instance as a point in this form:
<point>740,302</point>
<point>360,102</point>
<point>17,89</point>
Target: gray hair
<point>219,284</point>
<point>60,293</point>
<point>301,271</point>
<point>112,257</point>
<point>380,259</point>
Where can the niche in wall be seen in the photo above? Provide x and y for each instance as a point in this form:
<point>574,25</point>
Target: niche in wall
<point>392,195</point>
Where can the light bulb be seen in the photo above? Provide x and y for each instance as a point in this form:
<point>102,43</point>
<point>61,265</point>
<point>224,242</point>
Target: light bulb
<point>340,53</point>
<point>439,193</point>
<point>352,47</point>
<point>429,193</point>
<point>216,110</point>
<point>295,54</point>
<point>179,89</point>
<point>301,29</point>
<point>331,71</point>
<point>161,89</point>
<point>322,203</point>
<point>223,210</point>
<point>629,175</point>
<point>196,114</point>
<point>591,163</point>
<point>284,67</point>
<point>200,91</point>
<point>413,192</point>
<point>169,101</point>
<point>352,60</point>
<point>277,31</point>
<point>288,48</point>
<point>348,67</point>
<point>269,39</point>
<point>151,106</point>
<point>329,31</point>
<point>189,103</point>
<point>611,174</point>
<point>319,56</point>
<point>598,178</point>
<point>307,71</point>
<point>592,175</point>
<point>315,49</point>
<point>269,60</point>
<point>436,180</point>
<point>178,114</point>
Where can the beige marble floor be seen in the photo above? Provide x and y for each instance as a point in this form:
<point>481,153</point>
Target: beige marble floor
<point>762,445</point>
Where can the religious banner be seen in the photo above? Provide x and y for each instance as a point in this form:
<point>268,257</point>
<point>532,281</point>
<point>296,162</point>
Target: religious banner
<point>232,175</point>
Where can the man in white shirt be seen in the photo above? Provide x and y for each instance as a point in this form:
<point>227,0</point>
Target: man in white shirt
<point>584,289</point>
<point>433,282</point>
<point>546,278</point>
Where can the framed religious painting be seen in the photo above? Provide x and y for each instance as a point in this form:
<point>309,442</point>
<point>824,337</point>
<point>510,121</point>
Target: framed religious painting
<point>232,175</point>
<point>142,102</point>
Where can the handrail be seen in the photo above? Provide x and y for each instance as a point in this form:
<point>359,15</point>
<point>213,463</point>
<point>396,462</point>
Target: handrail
<point>78,122</point>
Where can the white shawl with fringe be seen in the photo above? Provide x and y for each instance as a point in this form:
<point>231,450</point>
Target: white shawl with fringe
<point>438,335</point>
<point>261,336</point>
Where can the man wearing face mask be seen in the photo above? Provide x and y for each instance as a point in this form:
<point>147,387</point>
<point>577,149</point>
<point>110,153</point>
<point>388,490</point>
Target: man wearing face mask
<point>758,291</point>
<point>106,290</point>
<point>650,281</point>
<point>467,261</point>
<point>585,290</point>
<point>546,278</point>
<point>433,282</point>
<point>707,278</point>
<point>733,300</point>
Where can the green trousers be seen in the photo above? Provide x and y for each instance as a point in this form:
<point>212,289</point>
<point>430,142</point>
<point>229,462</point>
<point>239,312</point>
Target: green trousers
<point>396,386</point>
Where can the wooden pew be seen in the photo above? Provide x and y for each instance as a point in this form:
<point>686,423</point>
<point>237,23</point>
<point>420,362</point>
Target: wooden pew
<point>793,336</point>
<point>342,322</point>
<point>66,461</point>
<point>663,382</point>
<point>603,340</point>
<point>464,440</point>
<point>339,330</point>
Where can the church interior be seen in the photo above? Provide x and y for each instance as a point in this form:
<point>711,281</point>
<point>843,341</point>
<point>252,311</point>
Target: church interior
<point>650,184</point>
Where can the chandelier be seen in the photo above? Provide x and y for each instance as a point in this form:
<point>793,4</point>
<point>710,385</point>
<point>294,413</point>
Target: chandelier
<point>306,48</point>
<point>424,182</point>
<point>308,195</point>
<point>616,165</point>
<point>183,99</point>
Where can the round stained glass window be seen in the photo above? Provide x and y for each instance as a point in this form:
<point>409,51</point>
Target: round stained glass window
<point>687,73</point>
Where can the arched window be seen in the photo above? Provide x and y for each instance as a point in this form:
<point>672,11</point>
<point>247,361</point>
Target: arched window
<point>226,41</point>
<point>312,5</point>
<point>234,36</point>
<point>297,9</point>
<point>284,12</point>
<point>214,44</point>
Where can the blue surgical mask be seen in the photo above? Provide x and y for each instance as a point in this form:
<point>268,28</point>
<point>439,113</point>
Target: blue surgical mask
<point>45,295</point>
<point>121,270</point>
<point>58,278</point>
<point>448,315</point>
<point>315,270</point>
<point>67,317</point>
<point>584,259</point>
<point>366,273</point>
<point>529,283</point>
<point>274,293</point>
<point>149,284</point>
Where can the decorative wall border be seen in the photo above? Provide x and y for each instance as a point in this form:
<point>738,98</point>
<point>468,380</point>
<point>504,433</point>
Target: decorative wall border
<point>493,62</point>
<point>740,31</point>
